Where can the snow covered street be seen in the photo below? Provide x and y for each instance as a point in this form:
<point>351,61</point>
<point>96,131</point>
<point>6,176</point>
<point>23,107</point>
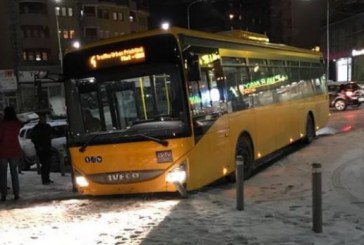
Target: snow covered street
<point>278,204</point>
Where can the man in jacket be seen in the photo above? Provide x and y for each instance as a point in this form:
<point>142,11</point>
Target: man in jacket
<point>41,138</point>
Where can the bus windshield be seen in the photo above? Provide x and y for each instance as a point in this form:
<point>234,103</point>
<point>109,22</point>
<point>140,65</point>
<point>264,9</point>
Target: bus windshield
<point>150,103</point>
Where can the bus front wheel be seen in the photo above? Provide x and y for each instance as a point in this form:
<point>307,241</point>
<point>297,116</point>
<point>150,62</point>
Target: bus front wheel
<point>244,154</point>
<point>310,130</point>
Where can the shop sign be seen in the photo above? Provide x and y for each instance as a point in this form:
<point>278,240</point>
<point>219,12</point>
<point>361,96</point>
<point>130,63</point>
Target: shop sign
<point>7,80</point>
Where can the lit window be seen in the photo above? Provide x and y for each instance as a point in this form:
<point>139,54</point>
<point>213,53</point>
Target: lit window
<point>57,10</point>
<point>120,16</point>
<point>65,34</point>
<point>24,55</point>
<point>72,34</point>
<point>31,56</point>
<point>64,11</point>
<point>70,11</point>
<point>115,16</point>
<point>44,56</point>
<point>37,56</point>
<point>131,18</point>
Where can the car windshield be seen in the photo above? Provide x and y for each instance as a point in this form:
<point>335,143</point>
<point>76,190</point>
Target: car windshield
<point>58,131</point>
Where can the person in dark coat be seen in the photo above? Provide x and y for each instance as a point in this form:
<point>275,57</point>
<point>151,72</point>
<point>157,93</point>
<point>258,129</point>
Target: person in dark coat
<point>10,152</point>
<point>41,136</point>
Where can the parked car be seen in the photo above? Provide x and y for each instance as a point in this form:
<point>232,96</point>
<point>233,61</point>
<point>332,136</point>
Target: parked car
<point>58,144</point>
<point>344,94</point>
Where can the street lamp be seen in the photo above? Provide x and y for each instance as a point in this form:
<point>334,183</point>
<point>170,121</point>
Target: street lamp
<point>188,11</point>
<point>76,44</point>
<point>165,25</point>
<point>60,54</point>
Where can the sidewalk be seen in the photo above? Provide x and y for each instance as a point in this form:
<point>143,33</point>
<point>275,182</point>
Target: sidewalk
<point>32,189</point>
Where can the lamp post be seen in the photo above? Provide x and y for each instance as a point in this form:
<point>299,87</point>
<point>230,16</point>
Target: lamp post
<point>188,11</point>
<point>60,54</point>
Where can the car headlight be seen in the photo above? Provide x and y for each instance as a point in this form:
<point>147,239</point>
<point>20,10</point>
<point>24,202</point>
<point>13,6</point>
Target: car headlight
<point>178,174</point>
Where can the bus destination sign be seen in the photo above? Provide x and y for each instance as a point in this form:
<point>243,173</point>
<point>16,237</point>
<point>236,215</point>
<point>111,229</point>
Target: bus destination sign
<point>115,58</point>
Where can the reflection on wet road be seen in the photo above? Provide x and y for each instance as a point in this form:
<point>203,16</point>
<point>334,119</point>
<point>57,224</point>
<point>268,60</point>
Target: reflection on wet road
<point>345,121</point>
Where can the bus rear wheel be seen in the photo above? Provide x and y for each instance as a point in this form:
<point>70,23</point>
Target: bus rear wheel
<point>244,154</point>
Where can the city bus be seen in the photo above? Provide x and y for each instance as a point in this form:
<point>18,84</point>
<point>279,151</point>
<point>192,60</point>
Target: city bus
<point>175,110</point>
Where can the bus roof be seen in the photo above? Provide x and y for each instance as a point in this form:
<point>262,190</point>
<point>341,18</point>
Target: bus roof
<point>221,36</point>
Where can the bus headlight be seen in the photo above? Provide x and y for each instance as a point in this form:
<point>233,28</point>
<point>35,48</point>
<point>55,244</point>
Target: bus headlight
<point>80,180</point>
<point>178,174</point>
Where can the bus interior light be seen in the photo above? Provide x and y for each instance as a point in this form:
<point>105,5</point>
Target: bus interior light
<point>177,175</point>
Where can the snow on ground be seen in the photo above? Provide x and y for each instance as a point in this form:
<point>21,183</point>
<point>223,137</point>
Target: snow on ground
<point>278,207</point>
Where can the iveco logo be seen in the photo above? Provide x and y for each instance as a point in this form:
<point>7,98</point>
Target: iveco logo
<point>122,177</point>
<point>93,159</point>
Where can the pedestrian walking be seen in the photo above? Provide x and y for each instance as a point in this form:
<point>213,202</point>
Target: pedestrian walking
<point>41,138</point>
<point>10,152</point>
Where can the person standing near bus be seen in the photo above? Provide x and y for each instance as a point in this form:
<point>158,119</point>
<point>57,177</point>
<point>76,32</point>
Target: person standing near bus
<point>41,138</point>
<point>10,151</point>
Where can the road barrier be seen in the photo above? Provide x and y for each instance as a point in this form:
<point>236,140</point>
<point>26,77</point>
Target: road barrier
<point>316,198</point>
<point>239,173</point>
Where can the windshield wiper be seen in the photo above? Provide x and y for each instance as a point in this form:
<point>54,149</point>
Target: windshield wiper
<point>83,147</point>
<point>159,141</point>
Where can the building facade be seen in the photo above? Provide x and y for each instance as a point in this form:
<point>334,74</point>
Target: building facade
<point>345,40</point>
<point>37,33</point>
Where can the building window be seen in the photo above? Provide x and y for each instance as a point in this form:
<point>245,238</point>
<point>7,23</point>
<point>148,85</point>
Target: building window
<point>57,10</point>
<point>64,11</point>
<point>90,32</point>
<point>132,17</point>
<point>143,21</point>
<point>114,15</point>
<point>38,57</point>
<point>89,11</point>
<point>30,56</point>
<point>35,55</point>
<point>32,8</point>
<point>30,31</point>
<point>70,12</point>
<point>120,16</point>
<point>67,34</point>
<point>44,55</point>
<point>103,14</point>
<point>72,34</point>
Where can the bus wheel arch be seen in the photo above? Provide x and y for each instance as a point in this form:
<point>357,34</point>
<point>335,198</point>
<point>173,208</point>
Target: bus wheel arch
<point>244,151</point>
<point>310,128</point>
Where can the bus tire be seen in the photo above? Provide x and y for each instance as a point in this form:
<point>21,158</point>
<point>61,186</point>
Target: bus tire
<point>243,152</point>
<point>310,130</point>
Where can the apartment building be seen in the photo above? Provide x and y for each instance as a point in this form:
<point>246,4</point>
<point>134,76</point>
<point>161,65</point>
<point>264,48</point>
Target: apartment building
<point>35,34</point>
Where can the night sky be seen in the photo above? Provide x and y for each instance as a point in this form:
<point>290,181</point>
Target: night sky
<point>175,12</point>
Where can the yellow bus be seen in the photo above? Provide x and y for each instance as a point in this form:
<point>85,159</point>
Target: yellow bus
<point>174,110</point>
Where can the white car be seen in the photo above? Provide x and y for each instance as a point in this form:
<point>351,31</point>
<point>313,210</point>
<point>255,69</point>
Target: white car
<point>58,142</point>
